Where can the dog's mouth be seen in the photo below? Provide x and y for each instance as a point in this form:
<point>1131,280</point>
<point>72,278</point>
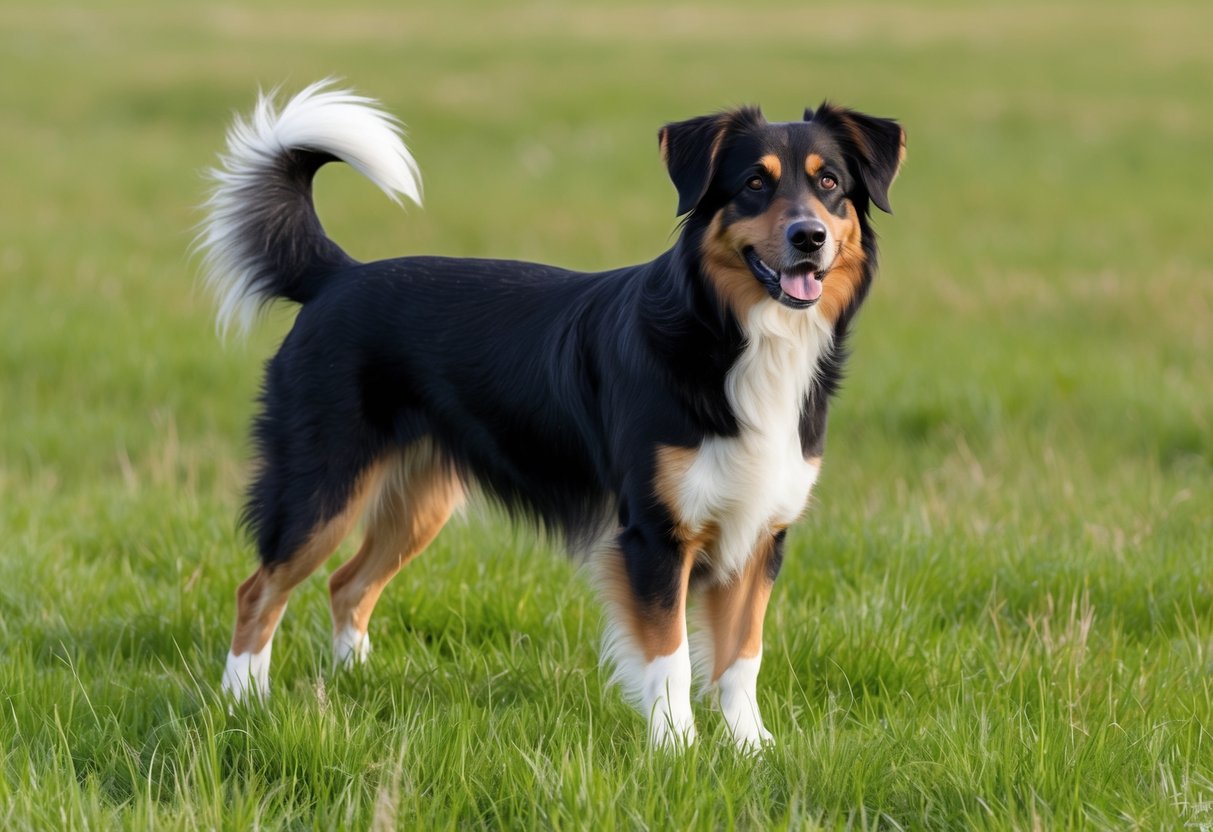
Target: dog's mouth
<point>798,286</point>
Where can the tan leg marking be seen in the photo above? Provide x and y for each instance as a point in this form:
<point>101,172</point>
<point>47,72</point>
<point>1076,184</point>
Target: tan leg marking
<point>657,630</point>
<point>734,615</point>
<point>261,599</point>
<point>649,645</point>
<point>416,499</point>
<point>735,611</point>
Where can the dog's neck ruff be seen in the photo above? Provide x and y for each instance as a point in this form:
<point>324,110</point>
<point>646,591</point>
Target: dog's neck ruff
<point>749,485</point>
<point>776,368</point>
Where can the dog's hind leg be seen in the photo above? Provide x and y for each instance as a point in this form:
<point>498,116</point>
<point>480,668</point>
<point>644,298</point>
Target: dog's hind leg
<point>733,612</point>
<point>420,491</point>
<point>261,599</point>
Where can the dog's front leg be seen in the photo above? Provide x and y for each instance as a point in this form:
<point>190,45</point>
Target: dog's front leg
<point>733,611</point>
<point>647,590</point>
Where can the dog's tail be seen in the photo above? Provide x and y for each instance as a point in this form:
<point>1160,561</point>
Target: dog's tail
<point>261,238</point>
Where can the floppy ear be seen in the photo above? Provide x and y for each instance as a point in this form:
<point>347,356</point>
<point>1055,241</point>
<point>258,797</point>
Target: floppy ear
<point>879,144</point>
<point>691,149</point>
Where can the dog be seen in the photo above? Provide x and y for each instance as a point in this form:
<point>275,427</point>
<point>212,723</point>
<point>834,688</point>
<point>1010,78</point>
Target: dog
<point>667,420</point>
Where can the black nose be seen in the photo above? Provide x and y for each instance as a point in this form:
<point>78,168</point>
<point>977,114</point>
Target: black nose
<point>807,235</point>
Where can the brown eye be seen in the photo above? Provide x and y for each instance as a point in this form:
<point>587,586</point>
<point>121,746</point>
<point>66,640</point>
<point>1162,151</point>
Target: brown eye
<point>828,183</point>
<point>755,183</point>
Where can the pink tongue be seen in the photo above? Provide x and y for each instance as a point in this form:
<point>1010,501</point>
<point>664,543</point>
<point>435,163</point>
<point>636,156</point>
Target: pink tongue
<point>801,286</point>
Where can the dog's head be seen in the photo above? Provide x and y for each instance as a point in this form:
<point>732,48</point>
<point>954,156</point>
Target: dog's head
<point>780,210</point>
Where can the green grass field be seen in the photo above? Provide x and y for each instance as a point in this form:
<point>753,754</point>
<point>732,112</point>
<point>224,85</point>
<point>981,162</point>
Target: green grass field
<point>999,612</point>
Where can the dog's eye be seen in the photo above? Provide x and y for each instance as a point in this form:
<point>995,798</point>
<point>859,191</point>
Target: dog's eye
<point>755,183</point>
<point>828,182</point>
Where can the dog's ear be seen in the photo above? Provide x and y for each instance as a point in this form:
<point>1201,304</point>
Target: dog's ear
<point>878,144</point>
<point>691,150</point>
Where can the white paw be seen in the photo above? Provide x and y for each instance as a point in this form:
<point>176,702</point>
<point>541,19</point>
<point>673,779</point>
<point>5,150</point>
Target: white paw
<point>666,699</point>
<point>739,704</point>
<point>749,734</point>
<point>351,647</point>
<point>247,675</point>
<point>671,733</point>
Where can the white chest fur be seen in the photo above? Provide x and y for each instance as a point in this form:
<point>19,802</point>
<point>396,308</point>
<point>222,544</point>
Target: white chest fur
<point>745,485</point>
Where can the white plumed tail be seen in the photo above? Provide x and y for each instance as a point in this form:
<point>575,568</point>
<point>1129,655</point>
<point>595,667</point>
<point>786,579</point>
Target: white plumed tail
<point>260,238</point>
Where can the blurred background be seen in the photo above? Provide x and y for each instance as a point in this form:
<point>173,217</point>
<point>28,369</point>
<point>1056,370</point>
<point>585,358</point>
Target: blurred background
<point>1026,420</point>
<point>1045,279</point>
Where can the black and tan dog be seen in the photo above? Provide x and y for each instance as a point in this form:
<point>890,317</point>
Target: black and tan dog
<point>668,419</point>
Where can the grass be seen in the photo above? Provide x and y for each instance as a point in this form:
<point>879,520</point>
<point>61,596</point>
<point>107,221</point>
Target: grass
<point>999,613</point>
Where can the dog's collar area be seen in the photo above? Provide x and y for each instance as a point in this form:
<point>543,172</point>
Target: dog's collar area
<point>805,282</point>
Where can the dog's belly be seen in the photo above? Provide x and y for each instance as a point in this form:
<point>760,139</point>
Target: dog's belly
<point>738,490</point>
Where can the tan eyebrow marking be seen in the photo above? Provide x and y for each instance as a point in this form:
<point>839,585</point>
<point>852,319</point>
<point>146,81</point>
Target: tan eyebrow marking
<point>771,163</point>
<point>814,164</point>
